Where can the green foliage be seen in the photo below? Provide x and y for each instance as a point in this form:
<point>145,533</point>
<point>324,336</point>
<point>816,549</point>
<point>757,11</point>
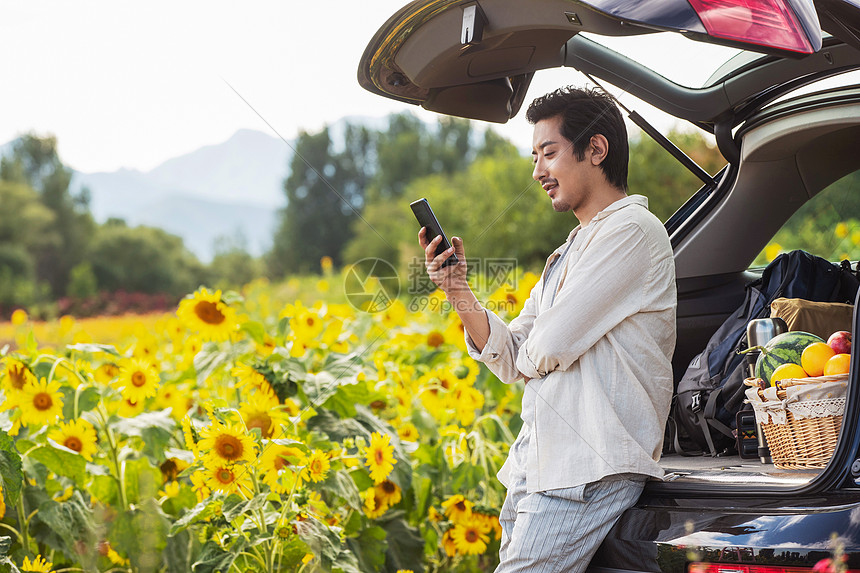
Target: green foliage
<point>506,215</point>
<point>143,259</point>
<point>36,163</point>
<point>826,225</point>
<point>655,173</point>
<point>11,472</point>
<point>141,533</point>
<point>234,268</point>
<point>82,281</point>
<point>325,191</point>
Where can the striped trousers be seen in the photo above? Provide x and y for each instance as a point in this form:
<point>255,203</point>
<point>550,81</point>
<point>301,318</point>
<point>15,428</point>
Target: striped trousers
<point>560,530</point>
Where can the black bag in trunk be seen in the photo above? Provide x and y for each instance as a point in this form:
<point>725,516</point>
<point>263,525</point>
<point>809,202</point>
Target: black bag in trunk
<point>711,392</point>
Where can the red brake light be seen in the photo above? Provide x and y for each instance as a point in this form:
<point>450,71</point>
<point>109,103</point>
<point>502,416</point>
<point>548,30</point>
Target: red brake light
<point>761,22</point>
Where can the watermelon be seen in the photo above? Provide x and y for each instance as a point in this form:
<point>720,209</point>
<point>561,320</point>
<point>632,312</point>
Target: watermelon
<point>781,349</point>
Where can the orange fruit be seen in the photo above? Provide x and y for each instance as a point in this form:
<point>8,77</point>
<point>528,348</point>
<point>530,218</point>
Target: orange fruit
<point>815,356</point>
<point>839,364</point>
<point>786,371</point>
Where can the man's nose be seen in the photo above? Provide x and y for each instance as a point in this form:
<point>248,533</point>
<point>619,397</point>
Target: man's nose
<point>539,171</point>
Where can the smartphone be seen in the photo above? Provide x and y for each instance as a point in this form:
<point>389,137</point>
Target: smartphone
<point>427,219</point>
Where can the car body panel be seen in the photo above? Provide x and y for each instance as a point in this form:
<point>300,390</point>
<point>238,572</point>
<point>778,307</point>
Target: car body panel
<point>664,537</point>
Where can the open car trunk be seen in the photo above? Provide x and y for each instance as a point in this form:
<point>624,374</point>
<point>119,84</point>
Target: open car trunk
<point>476,60</point>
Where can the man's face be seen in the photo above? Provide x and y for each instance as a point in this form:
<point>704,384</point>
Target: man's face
<point>556,168</point>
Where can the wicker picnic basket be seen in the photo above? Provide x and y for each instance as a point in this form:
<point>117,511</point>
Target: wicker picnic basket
<point>801,419</point>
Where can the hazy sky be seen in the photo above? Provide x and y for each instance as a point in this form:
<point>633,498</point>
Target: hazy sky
<point>130,84</point>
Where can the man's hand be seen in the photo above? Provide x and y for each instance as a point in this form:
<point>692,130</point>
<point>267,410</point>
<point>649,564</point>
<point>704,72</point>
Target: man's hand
<point>451,278</point>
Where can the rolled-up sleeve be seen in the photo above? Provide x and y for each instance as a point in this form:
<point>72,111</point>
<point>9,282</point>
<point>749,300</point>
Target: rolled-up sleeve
<point>505,340</point>
<point>594,299</point>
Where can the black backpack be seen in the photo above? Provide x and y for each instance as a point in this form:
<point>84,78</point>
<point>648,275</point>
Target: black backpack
<point>711,392</point>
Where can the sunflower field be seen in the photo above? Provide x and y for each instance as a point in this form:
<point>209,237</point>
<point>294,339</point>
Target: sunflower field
<point>253,431</point>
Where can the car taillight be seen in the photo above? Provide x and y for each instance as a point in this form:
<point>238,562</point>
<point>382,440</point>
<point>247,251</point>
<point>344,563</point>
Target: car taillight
<point>733,568</point>
<point>760,22</point>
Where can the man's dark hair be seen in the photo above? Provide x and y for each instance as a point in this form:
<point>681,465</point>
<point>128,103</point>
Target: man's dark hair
<point>586,113</point>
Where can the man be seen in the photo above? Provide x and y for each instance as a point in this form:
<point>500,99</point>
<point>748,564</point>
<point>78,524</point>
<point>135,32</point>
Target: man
<point>593,343</point>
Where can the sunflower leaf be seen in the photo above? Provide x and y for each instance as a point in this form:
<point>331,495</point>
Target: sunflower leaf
<point>209,359</point>
<point>176,553</point>
<point>141,534</point>
<point>255,330</point>
<point>94,348</point>
<point>206,508</point>
<point>11,474</point>
<point>213,558</point>
<point>234,505</point>
<point>142,480</point>
<point>137,425</point>
<point>104,488</point>
<point>347,395</point>
<point>69,521</point>
<point>61,462</point>
<point>341,484</point>
<point>405,544</point>
<point>369,548</point>
<point>323,541</point>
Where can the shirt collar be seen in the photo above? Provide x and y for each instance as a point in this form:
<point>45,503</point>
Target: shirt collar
<point>620,204</point>
<point>613,207</point>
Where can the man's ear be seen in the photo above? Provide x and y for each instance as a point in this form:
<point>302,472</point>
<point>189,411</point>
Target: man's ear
<point>599,149</point>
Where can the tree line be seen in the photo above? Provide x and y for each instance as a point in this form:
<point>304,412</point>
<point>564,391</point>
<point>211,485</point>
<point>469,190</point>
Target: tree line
<point>347,197</point>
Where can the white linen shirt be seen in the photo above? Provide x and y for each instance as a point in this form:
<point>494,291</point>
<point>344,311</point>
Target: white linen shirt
<point>598,356</point>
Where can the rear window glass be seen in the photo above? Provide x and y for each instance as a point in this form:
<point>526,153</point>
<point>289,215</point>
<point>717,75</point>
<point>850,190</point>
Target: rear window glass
<point>828,225</point>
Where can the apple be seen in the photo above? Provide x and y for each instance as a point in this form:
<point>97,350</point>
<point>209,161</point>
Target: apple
<point>840,341</point>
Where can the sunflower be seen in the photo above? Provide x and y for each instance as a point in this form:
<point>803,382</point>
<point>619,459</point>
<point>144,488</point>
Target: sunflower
<point>389,492</point>
<point>229,478</point>
<point>37,565</point>
<point>457,508</point>
<point>226,444</point>
<point>408,432</point>
<point>19,317</point>
<point>448,543</point>
<point>280,461</point>
<point>2,502</point>
<point>41,403</point>
<point>205,313</point>
<point>174,397</point>
<point>317,466</point>
<point>374,503</point>
<point>246,375</point>
<point>77,435</point>
<point>16,375</point>
<point>198,485</point>
<point>492,522</point>
<point>138,380</point>
<point>435,339</point>
<point>379,457</point>
<point>129,408</point>
<point>471,536</point>
<point>105,373</point>
<point>262,410</point>
<point>171,468</point>
<point>466,400</point>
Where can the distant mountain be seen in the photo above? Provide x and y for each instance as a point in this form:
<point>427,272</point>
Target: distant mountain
<point>249,167</point>
<point>233,189</point>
